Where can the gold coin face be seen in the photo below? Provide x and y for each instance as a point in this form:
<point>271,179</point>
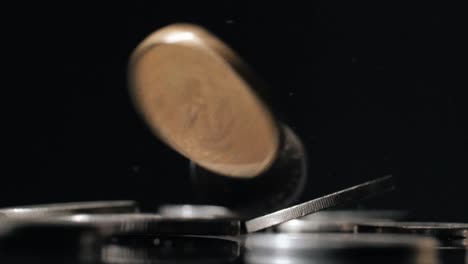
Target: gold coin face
<point>184,84</point>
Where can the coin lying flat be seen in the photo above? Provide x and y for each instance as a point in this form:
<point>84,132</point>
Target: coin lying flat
<point>198,97</point>
<point>348,195</point>
<point>342,221</point>
<point>152,224</point>
<point>339,248</point>
<point>123,224</point>
<point>442,230</point>
<point>70,208</point>
<point>195,211</point>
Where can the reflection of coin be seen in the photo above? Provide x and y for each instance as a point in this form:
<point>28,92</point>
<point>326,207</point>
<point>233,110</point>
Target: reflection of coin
<point>339,248</point>
<point>337,221</point>
<point>152,224</point>
<point>171,249</point>
<point>442,230</point>
<point>352,194</point>
<point>195,211</point>
<point>195,94</point>
<point>71,208</point>
<point>34,239</point>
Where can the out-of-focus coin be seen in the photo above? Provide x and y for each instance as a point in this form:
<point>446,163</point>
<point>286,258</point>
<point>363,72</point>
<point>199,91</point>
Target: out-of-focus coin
<point>171,249</point>
<point>352,194</point>
<point>339,248</point>
<point>441,230</point>
<point>42,210</point>
<point>337,221</point>
<point>451,236</point>
<point>195,211</point>
<point>152,224</point>
<point>198,97</point>
<point>34,241</point>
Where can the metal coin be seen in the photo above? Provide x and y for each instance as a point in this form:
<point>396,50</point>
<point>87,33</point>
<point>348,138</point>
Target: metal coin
<point>352,194</point>
<point>152,224</point>
<point>358,214</point>
<point>43,210</point>
<point>171,249</point>
<point>342,221</point>
<point>442,230</point>
<point>281,185</point>
<point>197,96</point>
<point>339,248</point>
<point>195,211</point>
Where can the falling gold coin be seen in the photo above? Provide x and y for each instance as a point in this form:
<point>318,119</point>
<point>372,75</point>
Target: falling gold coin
<point>195,94</point>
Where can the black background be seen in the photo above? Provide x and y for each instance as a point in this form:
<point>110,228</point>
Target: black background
<point>371,90</point>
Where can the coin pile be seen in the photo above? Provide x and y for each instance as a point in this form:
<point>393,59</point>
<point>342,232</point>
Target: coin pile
<point>203,101</point>
<point>114,231</point>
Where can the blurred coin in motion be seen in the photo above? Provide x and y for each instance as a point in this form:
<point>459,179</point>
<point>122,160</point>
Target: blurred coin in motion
<point>199,98</point>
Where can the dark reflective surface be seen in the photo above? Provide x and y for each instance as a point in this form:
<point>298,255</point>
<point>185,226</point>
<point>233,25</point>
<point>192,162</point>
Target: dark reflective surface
<point>324,248</point>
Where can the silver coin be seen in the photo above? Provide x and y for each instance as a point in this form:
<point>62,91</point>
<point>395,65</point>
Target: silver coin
<point>352,194</point>
<point>337,221</point>
<point>358,214</point>
<point>339,248</point>
<point>42,210</point>
<point>152,224</point>
<point>171,249</point>
<point>445,230</point>
<point>195,211</point>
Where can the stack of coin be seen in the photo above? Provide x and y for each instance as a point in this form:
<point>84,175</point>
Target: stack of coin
<point>29,233</point>
<point>153,224</point>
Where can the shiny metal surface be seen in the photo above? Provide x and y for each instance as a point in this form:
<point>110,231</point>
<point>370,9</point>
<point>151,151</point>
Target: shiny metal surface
<point>153,224</point>
<point>342,221</point>
<point>339,248</point>
<point>44,210</point>
<point>195,211</point>
<point>348,195</point>
<point>444,230</point>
